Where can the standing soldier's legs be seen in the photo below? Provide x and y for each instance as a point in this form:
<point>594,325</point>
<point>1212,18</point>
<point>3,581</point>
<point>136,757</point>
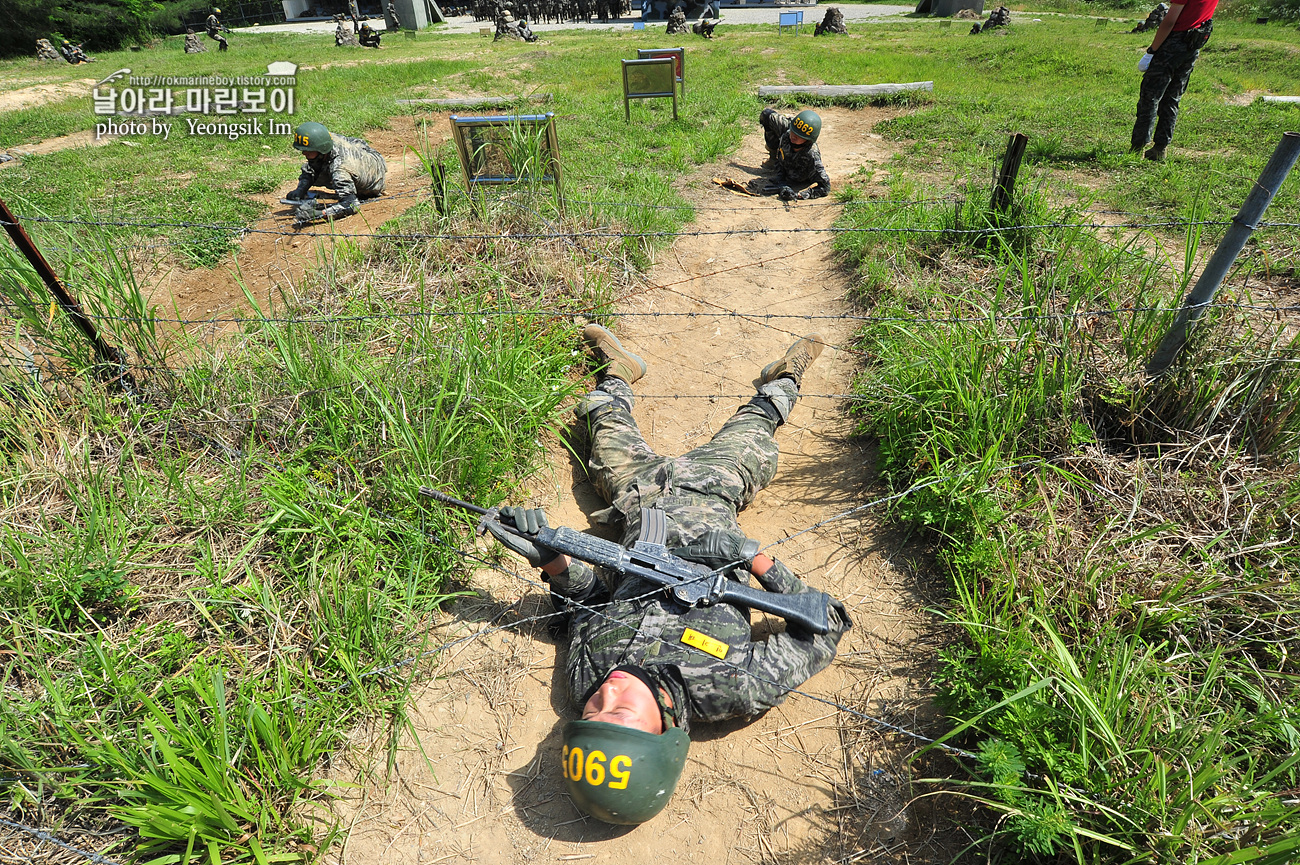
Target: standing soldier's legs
<point>1154,83</point>
<point>1166,77</point>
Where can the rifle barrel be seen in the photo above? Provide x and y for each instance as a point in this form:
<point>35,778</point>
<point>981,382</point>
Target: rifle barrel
<point>430,492</point>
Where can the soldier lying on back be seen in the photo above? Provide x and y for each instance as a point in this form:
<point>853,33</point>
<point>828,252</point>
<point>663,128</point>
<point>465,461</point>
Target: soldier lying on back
<point>641,665</point>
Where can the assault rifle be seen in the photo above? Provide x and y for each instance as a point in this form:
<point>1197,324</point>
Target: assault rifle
<point>692,584</point>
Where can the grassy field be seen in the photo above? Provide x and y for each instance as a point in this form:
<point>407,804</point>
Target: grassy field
<point>199,580</point>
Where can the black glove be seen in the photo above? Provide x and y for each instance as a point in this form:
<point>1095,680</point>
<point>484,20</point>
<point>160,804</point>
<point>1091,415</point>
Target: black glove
<point>527,520</point>
<point>719,548</point>
<point>787,194</point>
<point>308,212</point>
<point>299,194</point>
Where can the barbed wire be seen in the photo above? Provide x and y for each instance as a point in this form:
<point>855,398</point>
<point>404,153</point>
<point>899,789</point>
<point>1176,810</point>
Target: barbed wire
<point>722,312</point>
<point>429,194</point>
<point>97,858</point>
<point>640,235</point>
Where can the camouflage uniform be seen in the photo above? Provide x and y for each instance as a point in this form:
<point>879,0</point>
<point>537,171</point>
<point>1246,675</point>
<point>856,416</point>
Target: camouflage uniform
<point>797,167</point>
<point>214,32</point>
<point>699,491</point>
<point>1163,84</point>
<point>353,169</point>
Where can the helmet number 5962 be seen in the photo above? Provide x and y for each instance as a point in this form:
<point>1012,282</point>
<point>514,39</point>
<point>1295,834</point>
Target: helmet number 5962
<point>593,768</point>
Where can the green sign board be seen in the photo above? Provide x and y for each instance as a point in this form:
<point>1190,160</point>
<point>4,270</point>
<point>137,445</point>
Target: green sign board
<point>651,78</point>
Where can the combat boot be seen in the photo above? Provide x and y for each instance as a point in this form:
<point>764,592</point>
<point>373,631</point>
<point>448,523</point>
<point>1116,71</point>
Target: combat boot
<point>796,360</point>
<point>619,362</point>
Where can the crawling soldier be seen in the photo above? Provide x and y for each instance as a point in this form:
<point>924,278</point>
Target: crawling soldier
<point>369,37</point>
<point>73,53</point>
<point>349,166</point>
<point>792,149</point>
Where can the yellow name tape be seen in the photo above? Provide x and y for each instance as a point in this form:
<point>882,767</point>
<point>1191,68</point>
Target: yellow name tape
<point>705,643</point>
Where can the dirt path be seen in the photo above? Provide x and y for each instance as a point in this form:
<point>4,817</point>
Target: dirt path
<point>40,94</point>
<point>271,265</point>
<point>779,787</point>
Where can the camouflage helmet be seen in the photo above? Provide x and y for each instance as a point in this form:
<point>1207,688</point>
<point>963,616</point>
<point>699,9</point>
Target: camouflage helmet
<point>312,136</point>
<point>807,124</point>
<point>619,774</point>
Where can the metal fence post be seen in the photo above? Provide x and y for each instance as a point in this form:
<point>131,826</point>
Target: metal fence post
<point>1216,269</point>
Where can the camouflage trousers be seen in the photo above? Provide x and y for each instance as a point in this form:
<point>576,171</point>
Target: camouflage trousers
<point>775,124</point>
<point>700,490</point>
<point>1163,85</point>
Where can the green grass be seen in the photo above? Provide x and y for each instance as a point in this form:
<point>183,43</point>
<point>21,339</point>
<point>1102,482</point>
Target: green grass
<point>1097,530</point>
<point>197,581</point>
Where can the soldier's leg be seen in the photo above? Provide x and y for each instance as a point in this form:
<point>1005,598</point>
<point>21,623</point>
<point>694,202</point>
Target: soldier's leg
<point>741,458</point>
<point>774,125</point>
<point>619,453</point>
<point>1167,111</point>
<point>1154,83</point>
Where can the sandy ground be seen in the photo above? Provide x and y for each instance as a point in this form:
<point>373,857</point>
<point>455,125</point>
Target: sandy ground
<point>479,780</point>
<point>39,94</point>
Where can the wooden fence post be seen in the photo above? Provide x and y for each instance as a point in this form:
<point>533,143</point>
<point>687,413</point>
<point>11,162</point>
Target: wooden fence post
<point>1010,168</point>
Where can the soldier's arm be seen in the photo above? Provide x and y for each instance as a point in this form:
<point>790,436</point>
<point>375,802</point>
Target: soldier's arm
<point>784,661</point>
<point>823,185</point>
<point>346,188</point>
<point>774,576</point>
<point>574,581</point>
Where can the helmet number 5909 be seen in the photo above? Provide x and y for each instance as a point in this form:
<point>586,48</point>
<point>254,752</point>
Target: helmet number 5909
<point>593,768</point>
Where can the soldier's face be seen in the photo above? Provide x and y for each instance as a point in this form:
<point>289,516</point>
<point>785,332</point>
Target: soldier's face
<point>624,700</point>
<point>796,139</point>
<point>310,154</point>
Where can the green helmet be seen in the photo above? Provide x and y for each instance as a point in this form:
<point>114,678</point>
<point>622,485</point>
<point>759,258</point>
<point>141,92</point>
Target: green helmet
<point>312,136</point>
<point>807,124</point>
<point>621,775</point>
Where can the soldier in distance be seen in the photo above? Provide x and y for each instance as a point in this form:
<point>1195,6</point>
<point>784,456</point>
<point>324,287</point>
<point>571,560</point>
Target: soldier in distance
<point>368,37</point>
<point>640,665</point>
<point>349,166</point>
<point>215,27</point>
<point>74,54</point>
